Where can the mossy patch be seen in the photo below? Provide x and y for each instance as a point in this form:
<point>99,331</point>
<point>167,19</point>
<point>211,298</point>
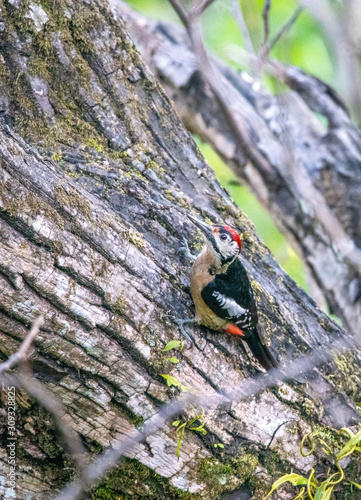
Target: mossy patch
<point>56,156</point>
<point>99,265</point>
<point>348,377</point>
<point>352,472</point>
<point>134,237</point>
<point>95,144</point>
<point>220,477</point>
<point>82,21</point>
<point>71,289</point>
<point>119,305</point>
<point>216,475</point>
<point>69,197</point>
<point>244,465</point>
<point>17,204</point>
<point>59,35</point>
<point>272,461</point>
<point>157,169</point>
<point>133,480</point>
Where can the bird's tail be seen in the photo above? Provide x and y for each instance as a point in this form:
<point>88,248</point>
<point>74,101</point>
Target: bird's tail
<point>259,349</point>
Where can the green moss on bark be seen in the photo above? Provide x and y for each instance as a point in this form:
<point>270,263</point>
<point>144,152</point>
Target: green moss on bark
<point>132,480</point>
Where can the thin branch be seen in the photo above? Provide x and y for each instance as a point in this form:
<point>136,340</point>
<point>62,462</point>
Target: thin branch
<point>340,27</point>
<point>286,27</point>
<point>268,45</point>
<point>238,14</point>
<point>21,355</point>
<point>199,8</point>
<point>265,16</point>
<point>181,11</point>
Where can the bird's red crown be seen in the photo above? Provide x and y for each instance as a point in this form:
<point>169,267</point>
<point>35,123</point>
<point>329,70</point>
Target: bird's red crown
<point>235,236</point>
<point>226,229</point>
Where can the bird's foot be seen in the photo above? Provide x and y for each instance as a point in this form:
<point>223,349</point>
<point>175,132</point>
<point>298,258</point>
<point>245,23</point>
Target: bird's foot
<point>185,249</point>
<point>180,323</point>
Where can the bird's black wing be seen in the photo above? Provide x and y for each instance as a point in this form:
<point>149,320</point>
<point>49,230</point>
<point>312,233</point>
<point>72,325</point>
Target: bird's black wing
<point>230,296</point>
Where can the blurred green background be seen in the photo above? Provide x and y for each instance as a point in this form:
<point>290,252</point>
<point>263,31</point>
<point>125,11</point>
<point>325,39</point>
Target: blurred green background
<point>304,46</point>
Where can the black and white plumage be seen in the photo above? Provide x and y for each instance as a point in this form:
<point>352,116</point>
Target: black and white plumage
<point>230,296</point>
<point>222,292</point>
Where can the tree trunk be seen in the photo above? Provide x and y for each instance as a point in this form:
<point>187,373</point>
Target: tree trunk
<point>97,177</point>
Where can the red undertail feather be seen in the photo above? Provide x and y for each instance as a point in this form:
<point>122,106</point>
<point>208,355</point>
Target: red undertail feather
<point>234,330</point>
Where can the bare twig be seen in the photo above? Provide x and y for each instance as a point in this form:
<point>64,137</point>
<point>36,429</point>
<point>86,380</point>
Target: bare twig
<point>285,28</point>
<point>199,8</point>
<point>238,14</point>
<point>181,11</point>
<point>268,45</point>
<point>265,16</point>
<point>341,27</point>
<point>22,353</point>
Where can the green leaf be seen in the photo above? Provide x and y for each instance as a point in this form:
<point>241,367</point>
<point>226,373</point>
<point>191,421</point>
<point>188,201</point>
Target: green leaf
<point>172,381</point>
<point>294,479</point>
<point>176,423</point>
<point>322,493</point>
<point>173,344</point>
<point>327,494</point>
<point>200,428</point>
<point>346,430</point>
<point>218,445</point>
<point>187,388</point>
<point>172,359</point>
<point>319,493</point>
<point>350,445</point>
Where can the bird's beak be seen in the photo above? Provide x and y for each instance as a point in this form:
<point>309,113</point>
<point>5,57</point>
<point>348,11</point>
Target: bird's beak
<point>206,229</point>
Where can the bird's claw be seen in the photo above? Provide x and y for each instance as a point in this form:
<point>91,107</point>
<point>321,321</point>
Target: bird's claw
<point>186,251</point>
<point>180,323</point>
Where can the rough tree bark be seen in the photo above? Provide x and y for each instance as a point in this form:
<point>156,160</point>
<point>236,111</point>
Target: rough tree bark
<point>283,128</point>
<point>97,177</point>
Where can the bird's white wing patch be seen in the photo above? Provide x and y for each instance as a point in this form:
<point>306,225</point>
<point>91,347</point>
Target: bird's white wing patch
<point>233,309</point>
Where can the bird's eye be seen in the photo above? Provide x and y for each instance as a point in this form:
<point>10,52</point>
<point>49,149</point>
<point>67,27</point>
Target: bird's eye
<point>223,237</point>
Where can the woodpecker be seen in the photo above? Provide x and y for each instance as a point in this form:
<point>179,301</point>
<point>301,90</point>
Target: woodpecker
<point>221,291</point>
